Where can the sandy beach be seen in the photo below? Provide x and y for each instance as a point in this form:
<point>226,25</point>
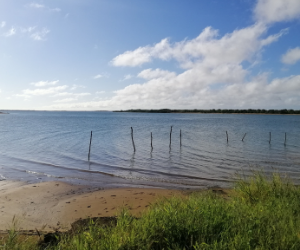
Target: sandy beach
<point>50,206</point>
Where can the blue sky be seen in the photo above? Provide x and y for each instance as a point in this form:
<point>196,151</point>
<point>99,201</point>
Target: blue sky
<point>122,54</point>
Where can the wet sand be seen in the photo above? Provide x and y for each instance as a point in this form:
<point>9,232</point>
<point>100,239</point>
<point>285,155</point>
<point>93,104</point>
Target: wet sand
<point>50,206</point>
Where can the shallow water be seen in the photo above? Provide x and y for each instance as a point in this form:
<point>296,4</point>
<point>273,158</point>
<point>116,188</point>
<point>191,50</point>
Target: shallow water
<point>50,145</point>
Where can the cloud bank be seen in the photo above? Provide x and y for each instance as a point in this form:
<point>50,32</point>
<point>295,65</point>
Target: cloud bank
<point>44,83</point>
<point>212,69</point>
<point>49,89</point>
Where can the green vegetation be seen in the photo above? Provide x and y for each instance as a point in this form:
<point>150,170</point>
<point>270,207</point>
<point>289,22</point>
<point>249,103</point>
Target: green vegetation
<point>261,213</point>
<point>218,111</point>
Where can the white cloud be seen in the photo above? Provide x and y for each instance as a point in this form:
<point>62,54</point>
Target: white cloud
<point>55,10</point>
<point>48,89</point>
<point>36,5</point>
<point>157,73</point>
<point>269,11</point>
<point>132,58</point>
<point>11,32</point>
<point>75,86</point>
<point>285,85</point>
<point>44,91</point>
<point>31,31</point>
<point>106,75</point>
<point>257,93</point>
<point>126,77</point>
<point>213,75</point>
<point>70,97</point>
<point>100,92</point>
<point>28,29</point>
<point>28,93</point>
<point>212,68</point>
<point>97,76</point>
<point>274,38</point>
<point>141,55</point>
<point>207,48</point>
<point>66,100</point>
<point>72,94</point>
<point>40,35</point>
<point>44,83</point>
<point>291,56</point>
<point>42,6</point>
<point>2,24</point>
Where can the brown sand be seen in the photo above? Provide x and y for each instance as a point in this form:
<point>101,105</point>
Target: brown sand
<point>49,206</point>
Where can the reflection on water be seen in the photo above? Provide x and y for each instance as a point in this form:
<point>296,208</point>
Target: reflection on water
<point>132,163</point>
<point>188,149</point>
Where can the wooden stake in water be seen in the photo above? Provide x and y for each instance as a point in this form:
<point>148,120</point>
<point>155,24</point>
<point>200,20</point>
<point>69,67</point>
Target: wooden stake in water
<point>269,137</point>
<point>132,139</point>
<point>285,138</point>
<point>227,136</point>
<point>90,146</point>
<point>180,138</point>
<point>151,142</point>
<point>170,136</point>
<point>244,136</point>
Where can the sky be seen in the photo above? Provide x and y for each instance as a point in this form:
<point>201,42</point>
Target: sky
<point>149,54</point>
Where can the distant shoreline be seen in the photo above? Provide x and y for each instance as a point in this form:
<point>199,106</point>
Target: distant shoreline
<point>183,111</point>
<point>217,111</point>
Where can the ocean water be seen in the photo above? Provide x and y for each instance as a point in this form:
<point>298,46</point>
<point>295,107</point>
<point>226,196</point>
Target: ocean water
<point>41,146</point>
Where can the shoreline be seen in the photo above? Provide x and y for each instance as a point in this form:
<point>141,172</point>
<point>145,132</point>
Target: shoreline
<point>158,112</point>
<point>216,111</point>
<point>55,205</point>
<point>202,113</point>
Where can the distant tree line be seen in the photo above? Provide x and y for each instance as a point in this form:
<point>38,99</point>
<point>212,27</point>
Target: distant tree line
<point>217,111</point>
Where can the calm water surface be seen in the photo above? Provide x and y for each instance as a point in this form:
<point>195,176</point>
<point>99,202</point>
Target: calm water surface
<point>41,146</point>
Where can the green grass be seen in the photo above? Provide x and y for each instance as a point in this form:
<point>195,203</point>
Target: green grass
<point>262,213</point>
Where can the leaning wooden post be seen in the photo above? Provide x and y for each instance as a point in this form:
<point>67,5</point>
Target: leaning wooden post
<point>151,142</point>
<point>269,137</point>
<point>244,136</point>
<point>227,136</point>
<point>132,139</point>
<point>285,138</point>
<point>170,137</point>
<point>90,145</point>
<point>180,138</point>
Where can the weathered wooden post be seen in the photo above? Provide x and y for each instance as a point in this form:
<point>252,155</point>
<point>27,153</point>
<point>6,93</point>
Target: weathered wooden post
<point>227,136</point>
<point>270,137</point>
<point>244,136</point>
<point>285,138</point>
<point>151,142</point>
<point>132,139</point>
<point>90,146</point>
<point>170,137</point>
<point>180,138</point>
